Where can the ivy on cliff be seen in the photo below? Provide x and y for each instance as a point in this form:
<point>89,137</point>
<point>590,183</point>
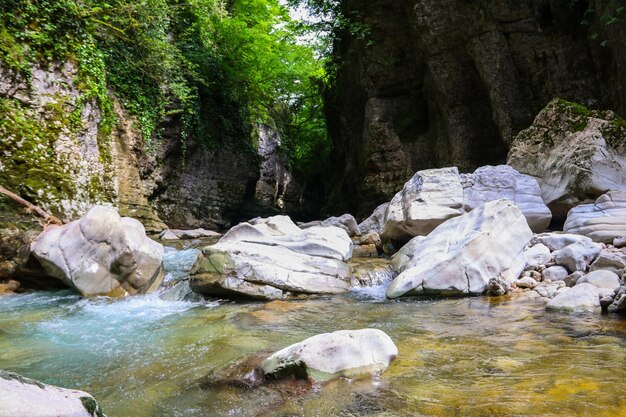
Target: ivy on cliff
<point>219,67</point>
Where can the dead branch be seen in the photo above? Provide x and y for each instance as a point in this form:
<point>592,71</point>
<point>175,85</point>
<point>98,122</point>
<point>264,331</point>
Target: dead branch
<point>48,218</point>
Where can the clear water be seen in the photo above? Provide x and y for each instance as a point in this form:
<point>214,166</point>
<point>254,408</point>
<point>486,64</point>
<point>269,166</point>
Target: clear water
<point>144,356</point>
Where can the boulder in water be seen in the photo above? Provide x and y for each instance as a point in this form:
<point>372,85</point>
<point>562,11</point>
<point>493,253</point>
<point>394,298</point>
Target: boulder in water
<point>101,254</point>
<point>24,397</point>
<point>581,297</point>
<point>273,259</point>
<point>461,255</point>
<point>344,353</point>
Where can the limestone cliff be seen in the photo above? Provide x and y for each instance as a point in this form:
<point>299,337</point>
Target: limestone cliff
<point>438,83</point>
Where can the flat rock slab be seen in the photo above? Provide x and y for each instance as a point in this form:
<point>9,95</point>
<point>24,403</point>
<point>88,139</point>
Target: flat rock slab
<point>344,353</point>
<point>273,259</point>
<point>24,397</point>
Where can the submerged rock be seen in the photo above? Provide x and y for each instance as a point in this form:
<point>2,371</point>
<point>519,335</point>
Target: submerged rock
<point>581,297</point>
<point>574,153</point>
<point>274,259</point>
<point>603,221</point>
<point>428,199</point>
<point>461,255</point>
<point>101,254</point>
<point>344,353</point>
<point>24,397</point>
<point>490,183</point>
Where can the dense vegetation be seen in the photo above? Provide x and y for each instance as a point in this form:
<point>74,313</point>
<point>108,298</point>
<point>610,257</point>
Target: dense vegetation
<point>219,67</point>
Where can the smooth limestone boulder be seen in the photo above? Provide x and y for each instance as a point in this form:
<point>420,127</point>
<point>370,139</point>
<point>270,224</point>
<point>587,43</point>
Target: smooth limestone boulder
<point>603,221</point>
<point>101,254</point>
<point>574,153</point>
<point>461,255</point>
<point>428,199</point>
<point>344,353</point>
<point>490,183</point>
<point>601,279</point>
<point>375,222</point>
<point>274,259</point>
<point>580,298</point>
<point>577,256</point>
<point>24,397</point>
<point>557,240</point>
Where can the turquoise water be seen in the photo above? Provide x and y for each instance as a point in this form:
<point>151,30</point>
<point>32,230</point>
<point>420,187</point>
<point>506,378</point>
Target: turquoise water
<point>144,356</point>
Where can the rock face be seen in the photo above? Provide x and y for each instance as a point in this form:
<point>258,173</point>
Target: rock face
<point>461,255</point>
<point>603,221</point>
<point>345,353</point>
<point>575,154</point>
<point>24,397</point>
<point>101,254</point>
<point>451,82</point>
<point>428,199</point>
<point>272,259</point>
<point>492,183</point>
<point>580,298</point>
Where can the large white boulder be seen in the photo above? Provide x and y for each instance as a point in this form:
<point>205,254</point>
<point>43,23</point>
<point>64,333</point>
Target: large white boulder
<point>24,397</point>
<point>464,253</point>
<point>556,240</point>
<point>601,279</point>
<point>274,259</point>
<point>101,254</point>
<point>602,221</point>
<point>490,183</point>
<point>428,199</point>
<point>580,298</point>
<point>575,154</point>
<point>344,353</point>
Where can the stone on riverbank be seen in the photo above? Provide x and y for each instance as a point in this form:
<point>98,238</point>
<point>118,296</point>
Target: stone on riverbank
<point>577,256</point>
<point>580,298</point>
<point>274,259</point>
<point>177,234</point>
<point>346,222</point>
<point>344,353</point>
<point>461,255</point>
<point>376,222</point>
<point>24,397</point>
<point>601,279</point>
<point>101,254</point>
<point>603,221</point>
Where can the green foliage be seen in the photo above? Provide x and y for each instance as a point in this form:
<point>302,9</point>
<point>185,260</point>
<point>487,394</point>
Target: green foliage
<point>217,67</point>
<point>607,12</point>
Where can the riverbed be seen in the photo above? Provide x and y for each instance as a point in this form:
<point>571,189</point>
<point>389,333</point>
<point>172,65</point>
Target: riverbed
<point>152,355</point>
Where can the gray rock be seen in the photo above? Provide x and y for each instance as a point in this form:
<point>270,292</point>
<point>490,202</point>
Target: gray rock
<point>274,259</point>
<point>603,221</point>
<point>556,241</point>
<point>573,278</point>
<point>101,254</point>
<point>498,286</point>
<point>536,255</point>
<point>526,282</point>
<point>619,303</point>
<point>577,256</point>
<point>555,273</point>
<point>547,291</point>
<point>582,297</point>
<point>345,353</point>
<point>345,222</point>
<point>464,253</point>
<point>610,261</point>
<point>619,242</point>
<point>601,279</point>
<point>24,397</point>
<point>490,183</point>
<point>575,155</point>
<point>375,222</point>
<point>428,199</point>
<point>168,235</point>
<point>176,234</point>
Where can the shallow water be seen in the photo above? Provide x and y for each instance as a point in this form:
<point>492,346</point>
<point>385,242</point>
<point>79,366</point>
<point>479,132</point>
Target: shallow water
<point>144,356</point>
